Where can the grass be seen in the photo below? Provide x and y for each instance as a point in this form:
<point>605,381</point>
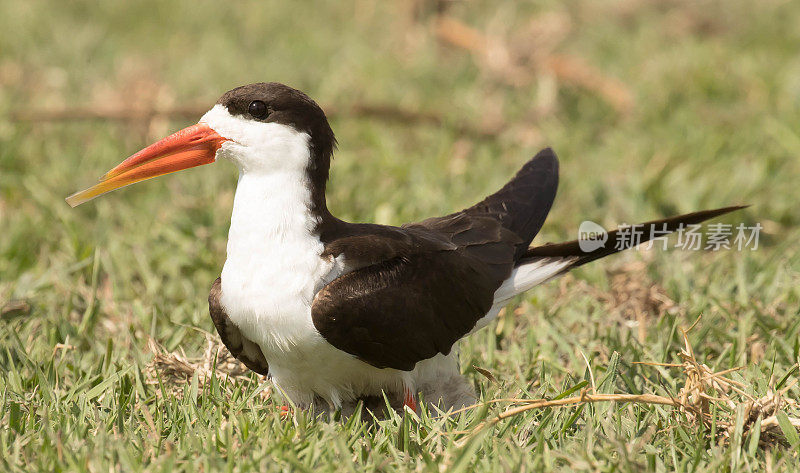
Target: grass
<point>715,106</point>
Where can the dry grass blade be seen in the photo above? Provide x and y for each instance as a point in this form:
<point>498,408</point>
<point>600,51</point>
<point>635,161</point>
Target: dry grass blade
<point>585,398</point>
<point>175,370</point>
<point>486,374</point>
<point>14,308</point>
<point>703,390</point>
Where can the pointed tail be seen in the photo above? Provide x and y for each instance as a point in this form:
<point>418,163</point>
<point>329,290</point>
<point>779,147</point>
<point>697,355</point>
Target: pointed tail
<point>543,263</point>
<point>614,244</point>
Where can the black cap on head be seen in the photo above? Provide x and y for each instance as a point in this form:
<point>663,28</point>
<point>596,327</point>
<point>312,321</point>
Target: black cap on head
<point>278,103</point>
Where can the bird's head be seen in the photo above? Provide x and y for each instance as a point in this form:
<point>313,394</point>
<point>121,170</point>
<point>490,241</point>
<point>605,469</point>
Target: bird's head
<point>262,128</point>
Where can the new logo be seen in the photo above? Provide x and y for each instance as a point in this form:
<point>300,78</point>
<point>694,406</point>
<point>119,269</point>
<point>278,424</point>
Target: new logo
<point>591,236</point>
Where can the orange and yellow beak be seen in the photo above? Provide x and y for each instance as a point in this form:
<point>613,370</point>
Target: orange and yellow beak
<point>190,147</point>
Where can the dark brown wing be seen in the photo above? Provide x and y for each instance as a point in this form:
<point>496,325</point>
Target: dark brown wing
<point>397,312</point>
<point>522,205</point>
<point>243,349</point>
<point>412,292</point>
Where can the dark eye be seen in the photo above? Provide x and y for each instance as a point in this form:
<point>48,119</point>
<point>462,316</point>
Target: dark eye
<point>257,109</point>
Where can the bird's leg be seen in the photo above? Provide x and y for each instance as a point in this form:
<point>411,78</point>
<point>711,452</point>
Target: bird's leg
<point>409,399</point>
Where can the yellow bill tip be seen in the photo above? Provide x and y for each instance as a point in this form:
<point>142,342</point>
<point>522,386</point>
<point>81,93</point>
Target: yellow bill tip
<point>81,197</point>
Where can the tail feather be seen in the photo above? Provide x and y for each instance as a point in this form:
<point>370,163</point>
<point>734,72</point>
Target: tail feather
<point>614,244</point>
<point>546,262</point>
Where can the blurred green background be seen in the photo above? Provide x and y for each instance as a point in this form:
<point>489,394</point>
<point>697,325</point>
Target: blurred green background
<point>654,108</point>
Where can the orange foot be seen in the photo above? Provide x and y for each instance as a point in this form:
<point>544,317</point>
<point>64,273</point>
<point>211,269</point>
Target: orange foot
<point>284,410</point>
<point>409,400</point>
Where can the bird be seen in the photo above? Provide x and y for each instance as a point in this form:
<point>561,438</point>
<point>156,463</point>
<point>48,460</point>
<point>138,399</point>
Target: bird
<point>336,313</point>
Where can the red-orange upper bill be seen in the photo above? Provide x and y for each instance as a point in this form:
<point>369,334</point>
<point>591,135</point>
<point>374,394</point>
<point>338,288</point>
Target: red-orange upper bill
<point>193,146</point>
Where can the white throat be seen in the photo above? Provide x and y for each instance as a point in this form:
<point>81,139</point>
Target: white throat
<point>271,243</point>
<point>270,213</point>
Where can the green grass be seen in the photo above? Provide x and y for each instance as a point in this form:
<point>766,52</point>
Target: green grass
<point>715,122</point>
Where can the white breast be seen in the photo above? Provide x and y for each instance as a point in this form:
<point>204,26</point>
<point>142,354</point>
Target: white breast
<point>273,268</point>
